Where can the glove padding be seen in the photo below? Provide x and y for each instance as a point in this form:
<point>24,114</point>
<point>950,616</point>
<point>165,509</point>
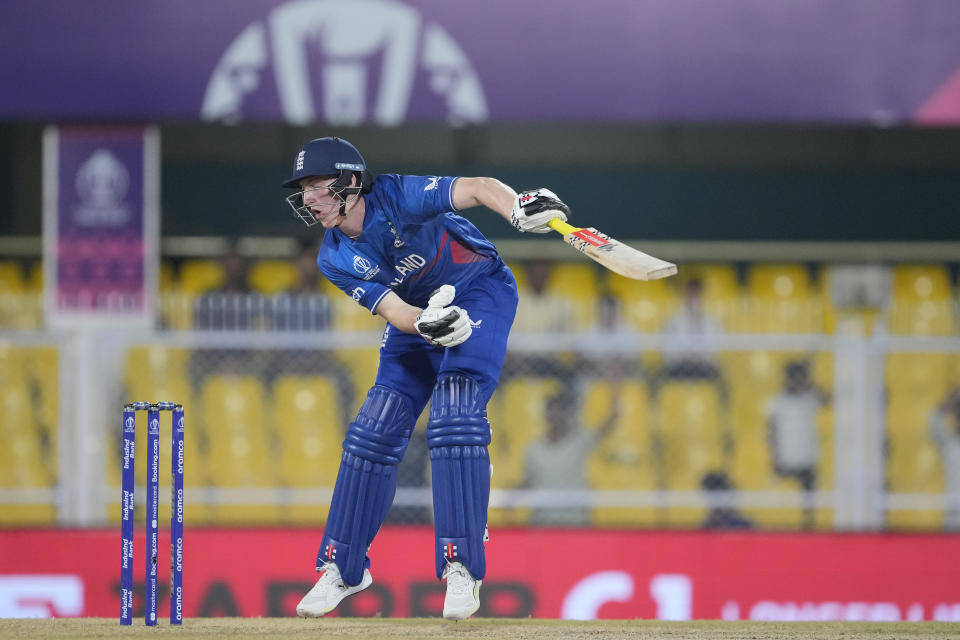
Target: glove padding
<point>441,323</point>
<point>533,209</point>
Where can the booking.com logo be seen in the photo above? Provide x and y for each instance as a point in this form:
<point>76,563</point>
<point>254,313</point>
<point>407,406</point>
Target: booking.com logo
<point>323,54</point>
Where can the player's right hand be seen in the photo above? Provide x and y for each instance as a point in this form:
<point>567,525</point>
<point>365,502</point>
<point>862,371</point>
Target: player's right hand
<point>533,209</point>
<point>442,323</point>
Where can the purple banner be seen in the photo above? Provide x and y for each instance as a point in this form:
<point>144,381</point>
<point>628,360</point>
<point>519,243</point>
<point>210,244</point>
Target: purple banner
<point>388,62</point>
<point>99,223</point>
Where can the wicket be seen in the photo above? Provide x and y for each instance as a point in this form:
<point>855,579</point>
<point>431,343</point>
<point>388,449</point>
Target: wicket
<point>176,511</point>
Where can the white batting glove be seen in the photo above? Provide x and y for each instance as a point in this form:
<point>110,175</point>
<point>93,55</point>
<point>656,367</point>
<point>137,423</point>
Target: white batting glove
<point>442,323</point>
<point>533,209</point>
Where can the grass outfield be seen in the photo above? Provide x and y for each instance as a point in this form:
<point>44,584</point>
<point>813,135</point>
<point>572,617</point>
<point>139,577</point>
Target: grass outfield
<point>382,629</point>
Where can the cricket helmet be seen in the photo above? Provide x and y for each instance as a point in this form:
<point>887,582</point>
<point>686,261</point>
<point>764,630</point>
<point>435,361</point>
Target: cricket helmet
<point>325,157</point>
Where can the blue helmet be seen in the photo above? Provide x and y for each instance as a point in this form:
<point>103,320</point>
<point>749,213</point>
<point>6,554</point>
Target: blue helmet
<point>326,157</point>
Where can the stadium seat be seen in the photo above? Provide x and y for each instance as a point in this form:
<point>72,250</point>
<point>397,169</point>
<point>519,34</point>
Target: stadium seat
<point>240,446</point>
<point>42,367</point>
<point>310,429</point>
<point>362,364</point>
<point>519,274</point>
<point>921,375</point>
<point>921,303</point>
<point>577,281</point>
<point>721,294</point>
<point>347,314</point>
<point>146,363</point>
<point>913,462</point>
<point>517,417</point>
<point>782,300</point>
<point>272,276</point>
<point>198,276</point>
<point>691,428</point>
<point>645,305</point>
<point>625,459</point>
<point>25,460</point>
<point>11,277</point>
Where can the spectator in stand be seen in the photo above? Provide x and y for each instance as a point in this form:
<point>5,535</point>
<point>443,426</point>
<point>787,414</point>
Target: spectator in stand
<point>304,307</point>
<point>557,460</point>
<point>539,310</point>
<point>944,424</point>
<point>693,327</point>
<point>232,306</point>
<point>722,515</point>
<point>792,430</point>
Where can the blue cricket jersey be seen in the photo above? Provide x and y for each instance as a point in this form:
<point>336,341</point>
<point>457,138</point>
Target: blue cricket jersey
<point>412,243</point>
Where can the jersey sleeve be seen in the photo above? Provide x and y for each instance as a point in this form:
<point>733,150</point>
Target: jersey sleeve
<point>422,197</point>
<point>367,293</point>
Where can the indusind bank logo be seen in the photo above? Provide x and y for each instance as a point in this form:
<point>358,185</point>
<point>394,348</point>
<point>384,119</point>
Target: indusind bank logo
<point>345,62</point>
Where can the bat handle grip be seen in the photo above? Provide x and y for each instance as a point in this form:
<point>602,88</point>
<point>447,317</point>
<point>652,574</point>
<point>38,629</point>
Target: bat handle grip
<point>562,227</point>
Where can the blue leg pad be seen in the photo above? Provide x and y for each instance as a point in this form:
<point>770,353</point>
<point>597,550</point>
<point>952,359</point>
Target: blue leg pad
<point>367,481</point>
<point>458,434</point>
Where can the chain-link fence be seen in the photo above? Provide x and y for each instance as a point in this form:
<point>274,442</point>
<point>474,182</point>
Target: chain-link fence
<point>593,426</point>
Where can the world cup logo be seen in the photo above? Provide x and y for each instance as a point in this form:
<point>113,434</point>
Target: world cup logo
<point>345,62</point>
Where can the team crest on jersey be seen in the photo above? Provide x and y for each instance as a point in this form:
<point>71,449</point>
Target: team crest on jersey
<point>364,267</point>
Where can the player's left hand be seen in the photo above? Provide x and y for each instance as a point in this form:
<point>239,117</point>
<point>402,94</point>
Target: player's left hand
<point>443,323</point>
<point>533,209</point>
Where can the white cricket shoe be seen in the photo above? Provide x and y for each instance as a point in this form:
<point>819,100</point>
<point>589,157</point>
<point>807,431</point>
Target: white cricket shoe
<point>463,592</point>
<point>329,591</point>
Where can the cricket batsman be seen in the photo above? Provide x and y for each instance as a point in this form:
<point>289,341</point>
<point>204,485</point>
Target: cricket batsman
<point>396,245</point>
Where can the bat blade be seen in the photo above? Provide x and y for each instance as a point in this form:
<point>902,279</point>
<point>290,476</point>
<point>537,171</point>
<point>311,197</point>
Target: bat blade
<point>613,254</point>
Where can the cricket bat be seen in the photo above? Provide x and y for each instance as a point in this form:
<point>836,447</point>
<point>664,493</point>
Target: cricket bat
<point>612,254</point>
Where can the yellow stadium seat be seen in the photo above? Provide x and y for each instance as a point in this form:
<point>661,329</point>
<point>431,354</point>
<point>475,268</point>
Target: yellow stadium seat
<point>516,414</point>
<point>781,299</point>
<point>913,462</point>
<point>28,515</point>
<point>721,295</point>
<point>921,303</point>
<point>362,364</point>
<point>625,459</point>
<point>240,446</point>
<point>24,461</point>
<point>42,366</point>
<point>760,370</point>
<point>273,276</point>
<point>232,412</point>
<point>691,431</point>
<point>921,375</point>
<point>198,276</point>
<point>11,277</point>
<point>145,363</point>
<point>13,367</point>
<point>167,279</point>
<point>580,283</point>
<point>310,430</point>
<point>644,305</point>
<point>347,314</point>
<point>519,274</point>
